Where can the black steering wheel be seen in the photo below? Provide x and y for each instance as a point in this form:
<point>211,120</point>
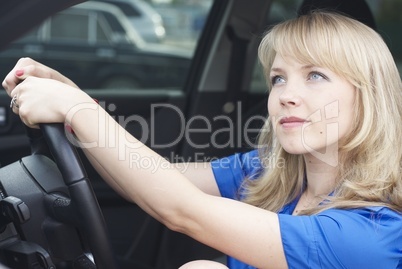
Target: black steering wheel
<point>50,208</point>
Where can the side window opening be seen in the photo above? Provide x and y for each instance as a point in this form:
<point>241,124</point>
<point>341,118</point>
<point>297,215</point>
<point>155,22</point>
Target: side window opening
<point>99,29</point>
<point>102,30</point>
<point>104,46</point>
<point>65,26</point>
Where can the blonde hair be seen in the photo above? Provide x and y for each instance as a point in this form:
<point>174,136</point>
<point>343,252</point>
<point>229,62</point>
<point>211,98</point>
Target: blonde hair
<point>369,169</point>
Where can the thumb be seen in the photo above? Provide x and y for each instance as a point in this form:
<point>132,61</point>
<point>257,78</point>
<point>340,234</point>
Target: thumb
<point>19,73</point>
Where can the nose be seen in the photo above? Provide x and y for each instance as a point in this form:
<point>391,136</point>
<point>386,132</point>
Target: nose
<point>290,96</point>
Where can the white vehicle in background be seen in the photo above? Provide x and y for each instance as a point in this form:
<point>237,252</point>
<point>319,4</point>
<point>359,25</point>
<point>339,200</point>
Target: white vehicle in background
<point>144,18</point>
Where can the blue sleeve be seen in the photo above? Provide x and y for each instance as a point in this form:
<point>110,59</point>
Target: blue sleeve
<point>361,238</point>
<point>230,172</point>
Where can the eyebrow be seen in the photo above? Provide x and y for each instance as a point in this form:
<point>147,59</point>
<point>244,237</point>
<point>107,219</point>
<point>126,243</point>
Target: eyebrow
<point>278,69</point>
<point>308,66</point>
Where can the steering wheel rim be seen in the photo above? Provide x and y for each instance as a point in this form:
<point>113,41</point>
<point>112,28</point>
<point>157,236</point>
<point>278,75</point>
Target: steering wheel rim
<point>89,214</point>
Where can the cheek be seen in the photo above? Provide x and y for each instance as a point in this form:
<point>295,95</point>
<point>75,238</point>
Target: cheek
<point>272,111</point>
<point>272,104</point>
<point>346,123</point>
<point>348,106</point>
<point>347,116</point>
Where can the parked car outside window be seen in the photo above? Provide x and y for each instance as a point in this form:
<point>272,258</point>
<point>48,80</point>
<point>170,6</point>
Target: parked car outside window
<point>97,47</point>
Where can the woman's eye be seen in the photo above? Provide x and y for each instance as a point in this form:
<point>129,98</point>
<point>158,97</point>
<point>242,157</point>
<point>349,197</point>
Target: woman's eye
<point>316,76</point>
<point>277,79</point>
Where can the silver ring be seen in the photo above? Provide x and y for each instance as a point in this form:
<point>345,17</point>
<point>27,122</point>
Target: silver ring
<point>14,102</point>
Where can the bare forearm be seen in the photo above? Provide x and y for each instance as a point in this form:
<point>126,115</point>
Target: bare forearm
<point>105,175</point>
<point>111,149</point>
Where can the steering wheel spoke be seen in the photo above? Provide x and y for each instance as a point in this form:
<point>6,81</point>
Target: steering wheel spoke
<point>83,199</point>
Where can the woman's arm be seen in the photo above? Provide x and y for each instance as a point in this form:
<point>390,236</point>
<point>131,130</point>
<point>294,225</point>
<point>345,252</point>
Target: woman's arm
<point>245,232</point>
<point>200,174</point>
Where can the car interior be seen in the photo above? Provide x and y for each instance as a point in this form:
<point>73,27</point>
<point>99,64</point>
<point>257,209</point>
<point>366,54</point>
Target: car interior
<point>57,212</point>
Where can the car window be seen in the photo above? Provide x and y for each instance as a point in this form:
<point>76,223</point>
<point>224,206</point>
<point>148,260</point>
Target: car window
<point>387,18</point>
<point>99,47</point>
<point>102,29</point>
<point>85,27</point>
<point>73,27</point>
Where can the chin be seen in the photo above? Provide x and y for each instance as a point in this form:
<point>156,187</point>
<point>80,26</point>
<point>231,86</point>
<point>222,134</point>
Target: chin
<point>295,150</point>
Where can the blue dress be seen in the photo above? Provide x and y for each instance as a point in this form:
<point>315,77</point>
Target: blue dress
<point>369,238</point>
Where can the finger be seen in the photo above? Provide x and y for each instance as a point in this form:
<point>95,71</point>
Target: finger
<point>34,70</point>
<point>17,97</point>
<point>15,75</point>
<point>13,103</point>
<point>24,67</point>
<point>27,67</point>
<point>10,82</point>
<point>14,92</point>
<point>27,123</point>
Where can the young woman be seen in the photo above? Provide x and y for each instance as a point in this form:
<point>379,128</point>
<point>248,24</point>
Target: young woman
<point>323,191</point>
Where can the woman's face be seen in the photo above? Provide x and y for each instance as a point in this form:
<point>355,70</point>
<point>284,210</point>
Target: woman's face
<point>311,107</point>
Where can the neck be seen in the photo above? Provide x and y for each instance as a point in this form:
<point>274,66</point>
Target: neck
<point>321,176</point>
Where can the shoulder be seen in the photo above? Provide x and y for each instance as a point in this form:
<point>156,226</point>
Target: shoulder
<point>356,238</point>
<point>378,218</point>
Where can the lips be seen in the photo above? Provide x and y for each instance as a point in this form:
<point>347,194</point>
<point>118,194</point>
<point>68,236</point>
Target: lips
<point>290,122</point>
